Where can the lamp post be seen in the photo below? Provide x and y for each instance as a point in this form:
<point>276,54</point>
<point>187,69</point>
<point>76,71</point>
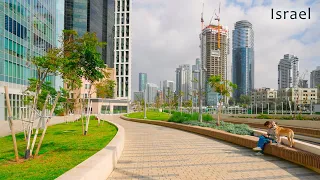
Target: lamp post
<point>145,102</point>
<point>275,108</point>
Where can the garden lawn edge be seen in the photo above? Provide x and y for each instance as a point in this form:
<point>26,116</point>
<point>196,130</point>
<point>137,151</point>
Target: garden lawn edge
<point>100,165</point>
<point>306,159</point>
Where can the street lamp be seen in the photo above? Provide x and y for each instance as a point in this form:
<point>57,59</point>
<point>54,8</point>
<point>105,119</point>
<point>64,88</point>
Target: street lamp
<point>145,101</point>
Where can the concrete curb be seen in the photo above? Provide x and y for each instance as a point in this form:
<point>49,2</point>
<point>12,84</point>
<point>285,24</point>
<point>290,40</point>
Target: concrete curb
<point>101,164</point>
<point>306,159</point>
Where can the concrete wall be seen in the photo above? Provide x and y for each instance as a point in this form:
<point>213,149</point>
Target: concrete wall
<point>100,165</point>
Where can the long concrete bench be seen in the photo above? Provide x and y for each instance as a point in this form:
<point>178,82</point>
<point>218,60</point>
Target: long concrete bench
<point>297,144</point>
<point>100,165</point>
<point>307,159</point>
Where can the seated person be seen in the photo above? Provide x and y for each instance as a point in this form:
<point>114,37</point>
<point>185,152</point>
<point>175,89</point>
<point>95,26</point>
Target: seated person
<point>266,138</point>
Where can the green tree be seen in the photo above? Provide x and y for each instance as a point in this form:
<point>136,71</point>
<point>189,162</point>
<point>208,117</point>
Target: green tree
<point>46,89</point>
<point>245,100</point>
<point>231,101</point>
<point>223,87</point>
<point>105,87</point>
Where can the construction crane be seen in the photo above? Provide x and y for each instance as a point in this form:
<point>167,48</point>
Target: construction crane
<point>219,28</point>
<point>202,21</point>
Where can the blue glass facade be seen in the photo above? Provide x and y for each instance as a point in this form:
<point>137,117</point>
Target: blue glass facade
<point>93,16</point>
<point>243,58</point>
<point>27,29</point>
<point>143,80</point>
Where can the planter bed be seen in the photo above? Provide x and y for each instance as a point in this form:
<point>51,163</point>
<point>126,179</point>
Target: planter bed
<point>303,158</point>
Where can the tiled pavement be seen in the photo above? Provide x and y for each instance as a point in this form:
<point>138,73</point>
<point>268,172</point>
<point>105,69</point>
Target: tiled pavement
<point>154,152</point>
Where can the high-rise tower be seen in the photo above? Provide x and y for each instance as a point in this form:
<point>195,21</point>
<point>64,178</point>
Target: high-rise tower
<point>93,16</point>
<point>214,59</point>
<point>288,72</point>
<point>243,58</point>
<point>122,48</point>
<point>143,80</point>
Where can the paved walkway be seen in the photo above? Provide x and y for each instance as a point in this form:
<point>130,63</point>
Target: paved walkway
<point>154,152</point>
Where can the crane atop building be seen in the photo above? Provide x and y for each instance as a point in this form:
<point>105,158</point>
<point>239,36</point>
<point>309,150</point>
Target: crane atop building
<point>202,21</point>
<point>219,28</point>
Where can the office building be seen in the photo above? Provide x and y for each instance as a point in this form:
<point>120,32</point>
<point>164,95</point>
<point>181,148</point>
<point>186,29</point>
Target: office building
<point>143,80</point>
<point>304,95</point>
<point>27,29</point>
<point>315,78</point>
<point>122,58</point>
<point>169,88</point>
<point>110,20</point>
<point>243,58</point>
<point>152,91</point>
<point>183,82</point>
<point>213,57</point>
<point>263,96</point>
<point>288,72</point>
<point>93,16</point>
<point>195,75</point>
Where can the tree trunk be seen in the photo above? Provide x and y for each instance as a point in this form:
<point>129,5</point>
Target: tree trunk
<point>47,123</point>
<point>15,147</point>
<point>31,120</point>
<point>81,111</point>
<point>219,112</point>
<point>88,112</point>
<point>39,123</point>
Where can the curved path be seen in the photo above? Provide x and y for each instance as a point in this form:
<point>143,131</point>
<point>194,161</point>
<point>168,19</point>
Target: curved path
<point>155,152</point>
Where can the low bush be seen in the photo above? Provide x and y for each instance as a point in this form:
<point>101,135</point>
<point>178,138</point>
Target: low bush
<point>179,117</point>
<point>241,129</point>
<point>263,116</point>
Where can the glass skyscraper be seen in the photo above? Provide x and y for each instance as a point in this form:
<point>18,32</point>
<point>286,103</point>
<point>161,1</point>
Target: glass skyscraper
<point>243,58</point>
<point>143,80</point>
<point>93,16</point>
<point>27,29</point>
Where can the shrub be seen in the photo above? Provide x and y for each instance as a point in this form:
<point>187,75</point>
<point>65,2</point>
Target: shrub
<point>263,116</point>
<point>207,117</point>
<point>182,117</point>
<point>241,129</point>
<point>286,117</point>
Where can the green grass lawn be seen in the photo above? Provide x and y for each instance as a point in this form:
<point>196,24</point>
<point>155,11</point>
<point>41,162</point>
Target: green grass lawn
<point>63,148</point>
<point>151,115</point>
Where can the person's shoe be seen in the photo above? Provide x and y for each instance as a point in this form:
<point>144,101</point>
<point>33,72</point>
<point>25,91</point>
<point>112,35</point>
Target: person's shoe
<point>257,149</point>
<point>259,154</point>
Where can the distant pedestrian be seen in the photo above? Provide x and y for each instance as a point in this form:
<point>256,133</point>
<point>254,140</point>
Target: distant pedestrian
<point>264,139</point>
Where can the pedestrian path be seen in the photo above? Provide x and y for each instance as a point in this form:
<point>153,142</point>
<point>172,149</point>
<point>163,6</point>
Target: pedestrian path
<point>155,152</point>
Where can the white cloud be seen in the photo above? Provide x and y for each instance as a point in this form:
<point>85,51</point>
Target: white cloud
<point>166,34</point>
